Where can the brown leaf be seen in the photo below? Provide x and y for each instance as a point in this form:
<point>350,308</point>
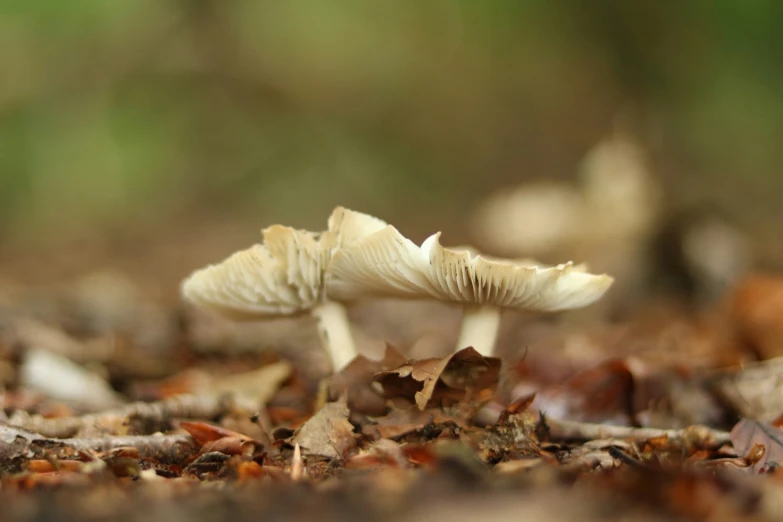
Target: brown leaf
<point>45,466</point>
<point>757,310</point>
<point>203,432</point>
<point>237,445</point>
<point>248,470</point>
<point>328,433</point>
<point>215,438</point>
<point>748,434</point>
<point>753,390</point>
<point>430,382</point>
<point>383,452</point>
<point>599,394</point>
<point>356,380</point>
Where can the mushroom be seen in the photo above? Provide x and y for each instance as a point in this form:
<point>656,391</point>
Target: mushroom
<point>285,276</point>
<point>386,263</point>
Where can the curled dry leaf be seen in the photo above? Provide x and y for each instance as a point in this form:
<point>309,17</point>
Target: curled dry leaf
<point>215,438</point>
<point>754,391</point>
<point>757,311</point>
<point>327,433</point>
<point>356,380</point>
<point>748,434</point>
<point>383,452</point>
<point>401,423</point>
<point>255,388</point>
<point>600,394</point>
<point>431,382</point>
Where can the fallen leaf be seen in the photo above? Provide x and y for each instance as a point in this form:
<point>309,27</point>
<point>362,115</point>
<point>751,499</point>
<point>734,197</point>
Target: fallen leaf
<point>754,391</point>
<point>383,452</point>
<point>748,434</point>
<point>249,470</point>
<point>327,433</point>
<point>234,446</point>
<point>356,380</point>
<point>255,388</point>
<point>399,423</point>
<point>600,394</point>
<point>757,311</point>
<point>203,432</point>
<point>442,382</point>
<point>214,438</point>
<point>45,466</point>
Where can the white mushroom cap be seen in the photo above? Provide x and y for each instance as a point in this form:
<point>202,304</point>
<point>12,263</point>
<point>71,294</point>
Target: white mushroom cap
<point>388,264</point>
<point>282,276</point>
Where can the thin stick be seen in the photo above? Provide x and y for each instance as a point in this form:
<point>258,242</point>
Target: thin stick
<point>694,436</point>
<point>19,443</point>
<point>145,417</point>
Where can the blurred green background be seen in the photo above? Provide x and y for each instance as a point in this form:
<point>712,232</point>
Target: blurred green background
<point>154,124</point>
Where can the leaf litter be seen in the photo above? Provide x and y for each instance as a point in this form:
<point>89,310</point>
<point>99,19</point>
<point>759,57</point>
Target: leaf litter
<point>671,417</point>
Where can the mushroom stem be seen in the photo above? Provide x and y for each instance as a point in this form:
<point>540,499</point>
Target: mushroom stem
<point>335,331</point>
<point>479,328</point>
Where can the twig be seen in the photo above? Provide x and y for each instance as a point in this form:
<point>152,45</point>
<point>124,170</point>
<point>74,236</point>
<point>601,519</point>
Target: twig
<point>700,437</point>
<point>143,417</point>
<point>16,443</point>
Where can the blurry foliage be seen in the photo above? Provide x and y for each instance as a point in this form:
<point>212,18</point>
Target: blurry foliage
<point>141,112</point>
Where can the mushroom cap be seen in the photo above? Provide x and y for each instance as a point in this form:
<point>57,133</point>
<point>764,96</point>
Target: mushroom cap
<point>282,276</point>
<point>388,264</point>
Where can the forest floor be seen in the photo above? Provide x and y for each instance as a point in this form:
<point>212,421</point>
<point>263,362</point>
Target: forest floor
<point>116,406</point>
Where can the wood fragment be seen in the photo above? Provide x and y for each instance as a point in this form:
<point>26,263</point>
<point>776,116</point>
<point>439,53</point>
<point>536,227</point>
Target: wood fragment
<point>700,437</point>
<point>17,444</point>
<point>143,418</point>
<point>297,465</point>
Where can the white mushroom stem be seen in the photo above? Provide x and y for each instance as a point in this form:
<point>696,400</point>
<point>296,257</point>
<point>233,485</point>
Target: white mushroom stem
<point>479,328</point>
<point>335,331</point>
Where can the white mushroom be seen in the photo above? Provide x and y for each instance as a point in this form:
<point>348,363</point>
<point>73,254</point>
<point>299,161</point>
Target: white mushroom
<point>388,264</point>
<point>285,276</point>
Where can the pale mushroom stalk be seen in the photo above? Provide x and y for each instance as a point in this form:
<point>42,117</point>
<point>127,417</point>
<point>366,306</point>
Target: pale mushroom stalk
<point>335,331</point>
<point>480,324</point>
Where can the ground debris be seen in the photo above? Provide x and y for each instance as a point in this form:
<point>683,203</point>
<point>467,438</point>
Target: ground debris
<point>622,422</point>
<point>139,418</point>
<point>760,442</point>
<point>328,433</point>
<point>692,437</point>
<point>17,444</point>
<point>462,376</point>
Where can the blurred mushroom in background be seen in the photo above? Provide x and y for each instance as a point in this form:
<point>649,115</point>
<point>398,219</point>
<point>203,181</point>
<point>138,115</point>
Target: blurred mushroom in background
<point>699,253</point>
<point>606,219</point>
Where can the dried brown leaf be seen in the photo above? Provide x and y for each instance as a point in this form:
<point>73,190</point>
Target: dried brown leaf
<point>600,394</point>
<point>327,433</point>
<point>754,391</point>
<point>748,434</point>
<point>442,382</point>
<point>203,432</point>
<point>356,380</point>
<point>757,310</point>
